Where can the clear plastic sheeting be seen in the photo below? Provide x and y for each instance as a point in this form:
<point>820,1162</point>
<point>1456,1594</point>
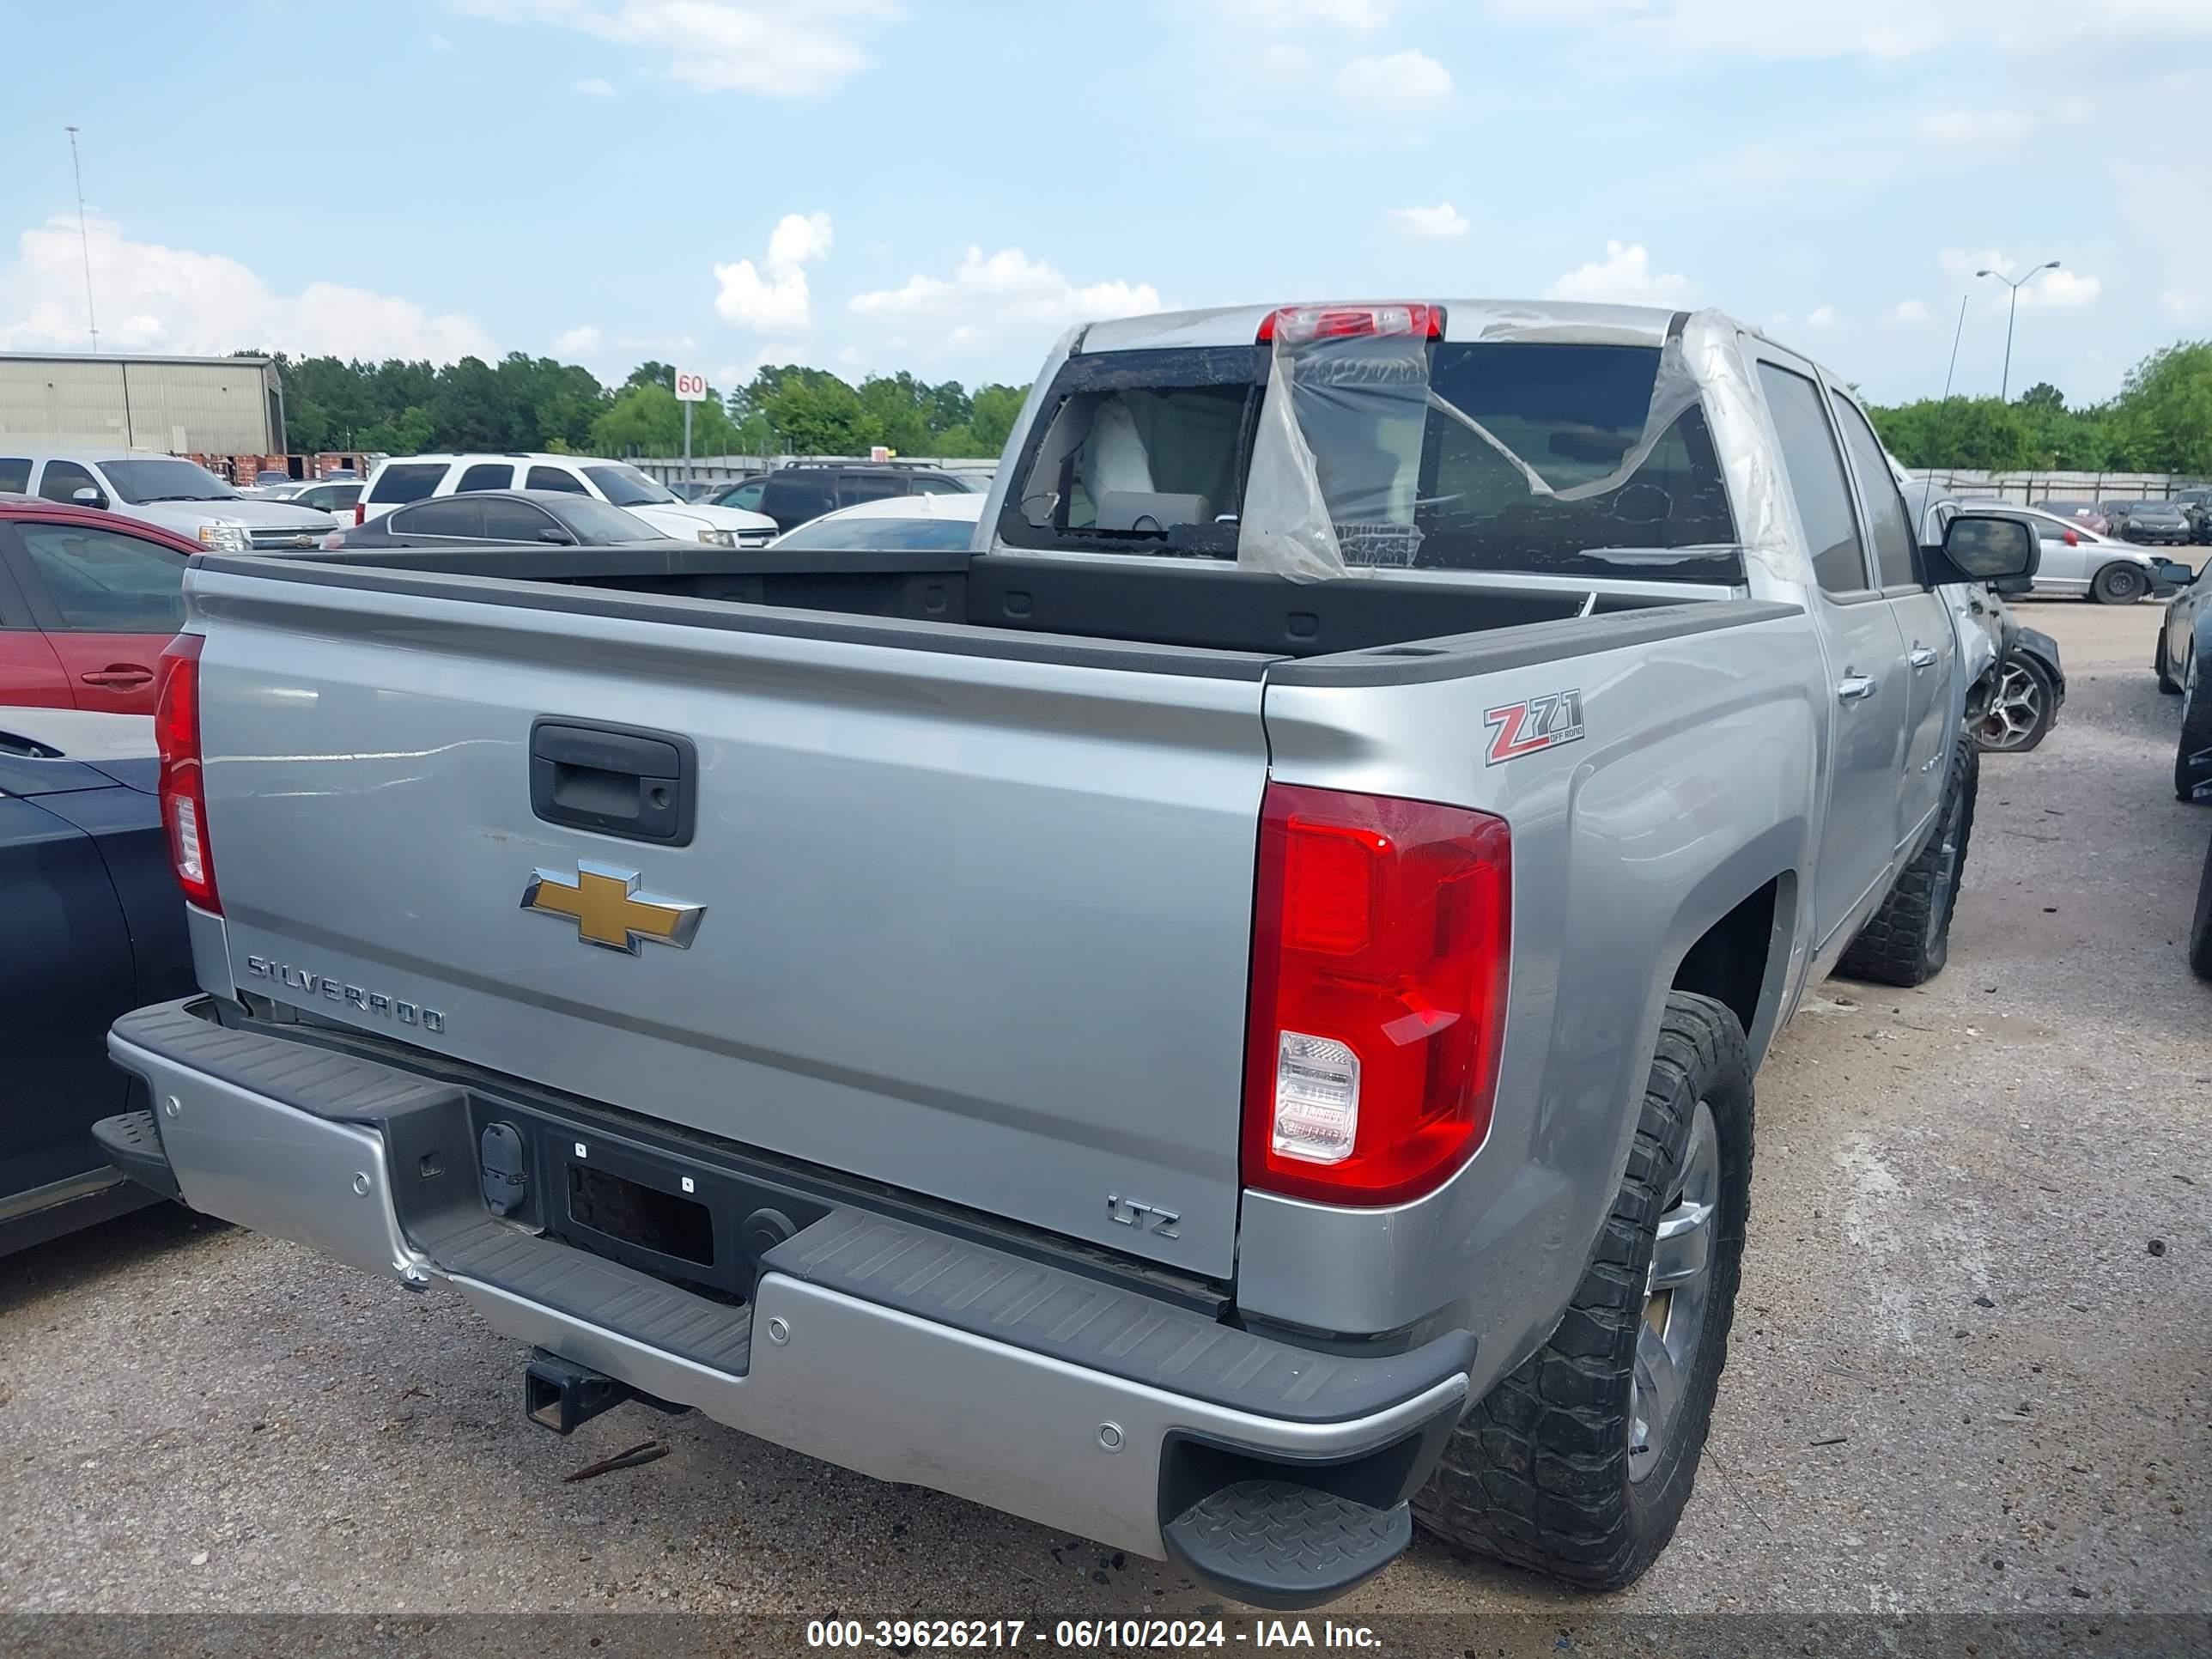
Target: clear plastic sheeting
<point>1339,448</point>
<point>1337,457</point>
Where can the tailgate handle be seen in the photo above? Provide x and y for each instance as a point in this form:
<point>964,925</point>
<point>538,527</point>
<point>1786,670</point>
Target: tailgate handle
<point>614,779</point>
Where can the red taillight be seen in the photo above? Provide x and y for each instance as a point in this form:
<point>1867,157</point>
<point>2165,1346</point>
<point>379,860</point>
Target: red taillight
<point>184,795</point>
<point>1379,945</point>
<point>360,512</point>
<point>1298,324</point>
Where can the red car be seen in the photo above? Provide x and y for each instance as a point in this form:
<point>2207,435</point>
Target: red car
<point>87,600</point>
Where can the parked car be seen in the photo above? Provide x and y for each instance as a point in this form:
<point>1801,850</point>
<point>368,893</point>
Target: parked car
<point>555,517</point>
<point>164,490</point>
<point>2086,512</point>
<point>96,927</point>
<point>336,497</point>
<point>1043,998</point>
<point>417,478</point>
<point>698,489</point>
<point>807,489</point>
<point>89,601</point>
<point>2182,659</point>
<point>2196,503</point>
<point>2157,523</point>
<point>898,521</point>
<point>2073,559</point>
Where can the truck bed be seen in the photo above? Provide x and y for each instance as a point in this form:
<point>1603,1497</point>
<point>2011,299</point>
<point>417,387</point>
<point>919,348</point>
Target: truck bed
<point>1195,605</point>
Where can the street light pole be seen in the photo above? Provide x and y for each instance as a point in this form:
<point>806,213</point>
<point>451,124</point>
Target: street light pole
<point>1951,372</point>
<point>2004,387</point>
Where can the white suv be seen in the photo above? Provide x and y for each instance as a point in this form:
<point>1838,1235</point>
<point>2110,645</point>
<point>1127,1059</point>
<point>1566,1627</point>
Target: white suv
<point>417,478</point>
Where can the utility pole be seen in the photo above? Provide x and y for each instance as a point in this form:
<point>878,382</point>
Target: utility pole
<point>1950,373</point>
<point>2005,386</point>
<point>83,241</point>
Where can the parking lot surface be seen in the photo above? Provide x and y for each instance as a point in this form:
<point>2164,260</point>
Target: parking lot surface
<point>1972,1366</point>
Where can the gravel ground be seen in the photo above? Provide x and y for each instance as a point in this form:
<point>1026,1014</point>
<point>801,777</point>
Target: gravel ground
<point>1970,1370</point>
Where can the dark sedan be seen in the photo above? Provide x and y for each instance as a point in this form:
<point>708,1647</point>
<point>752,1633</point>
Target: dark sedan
<point>554,517</point>
<point>95,928</point>
<point>2156,524</point>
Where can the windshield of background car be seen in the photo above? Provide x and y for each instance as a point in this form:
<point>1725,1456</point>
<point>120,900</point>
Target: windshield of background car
<point>166,480</point>
<point>625,486</point>
<point>596,521</point>
<point>1149,450</point>
<point>875,534</point>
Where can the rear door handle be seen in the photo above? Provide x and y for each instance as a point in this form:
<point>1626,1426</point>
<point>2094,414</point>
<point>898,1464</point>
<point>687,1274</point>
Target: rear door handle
<point>1921,657</point>
<point>121,676</point>
<point>1854,687</point>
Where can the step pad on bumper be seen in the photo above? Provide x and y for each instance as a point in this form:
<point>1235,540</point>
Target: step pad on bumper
<point>601,1293</point>
<point>133,1146</point>
<point>1050,1310</point>
<point>1278,1545</point>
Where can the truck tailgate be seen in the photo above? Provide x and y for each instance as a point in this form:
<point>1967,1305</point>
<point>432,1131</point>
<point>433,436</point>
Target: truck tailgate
<point>976,907</point>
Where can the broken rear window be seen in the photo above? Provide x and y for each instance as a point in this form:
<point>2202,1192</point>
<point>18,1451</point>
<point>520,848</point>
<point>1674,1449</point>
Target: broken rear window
<point>1148,451</point>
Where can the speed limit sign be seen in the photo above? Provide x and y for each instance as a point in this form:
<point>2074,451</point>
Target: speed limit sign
<point>690,388</point>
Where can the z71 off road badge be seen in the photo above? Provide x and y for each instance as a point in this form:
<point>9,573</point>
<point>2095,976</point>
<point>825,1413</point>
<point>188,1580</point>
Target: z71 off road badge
<point>1523,728</point>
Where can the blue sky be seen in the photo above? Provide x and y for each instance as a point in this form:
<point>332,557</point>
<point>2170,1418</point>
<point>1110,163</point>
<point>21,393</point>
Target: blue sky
<point>942,184</point>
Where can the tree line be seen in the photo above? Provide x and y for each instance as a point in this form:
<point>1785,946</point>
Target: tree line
<point>524,403</point>
<point>2160,422</point>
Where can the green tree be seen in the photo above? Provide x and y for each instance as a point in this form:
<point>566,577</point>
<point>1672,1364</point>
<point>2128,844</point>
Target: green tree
<point>2165,407</point>
<point>815,413</point>
<point>997,408</point>
<point>653,373</point>
<point>2043,395</point>
<point>900,406</point>
<point>647,420</point>
<point>408,433</point>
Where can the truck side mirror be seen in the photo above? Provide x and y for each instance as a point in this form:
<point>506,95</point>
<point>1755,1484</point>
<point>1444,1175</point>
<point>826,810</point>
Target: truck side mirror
<point>88,496</point>
<point>1984,547</point>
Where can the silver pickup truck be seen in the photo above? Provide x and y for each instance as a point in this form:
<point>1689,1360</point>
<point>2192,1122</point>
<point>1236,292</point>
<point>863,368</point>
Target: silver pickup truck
<point>1221,1019</point>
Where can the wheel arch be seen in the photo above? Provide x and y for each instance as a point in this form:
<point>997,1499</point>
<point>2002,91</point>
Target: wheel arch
<point>1736,934</point>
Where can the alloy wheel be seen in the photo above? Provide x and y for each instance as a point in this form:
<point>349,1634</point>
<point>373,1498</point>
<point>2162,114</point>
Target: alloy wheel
<point>2015,709</point>
<point>1675,1298</point>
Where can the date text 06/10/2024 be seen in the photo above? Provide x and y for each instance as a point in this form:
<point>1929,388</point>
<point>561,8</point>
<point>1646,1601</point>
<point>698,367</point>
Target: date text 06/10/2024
<point>1088,1635</point>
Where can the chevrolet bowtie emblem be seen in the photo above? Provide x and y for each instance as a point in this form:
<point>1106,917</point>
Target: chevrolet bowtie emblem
<point>608,909</point>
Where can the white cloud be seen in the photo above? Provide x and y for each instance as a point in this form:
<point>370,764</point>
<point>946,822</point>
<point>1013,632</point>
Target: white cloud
<point>1624,276</point>
<point>1973,127</point>
<point>176,300</point>
<point>1910,311</point>
<point>2062,288</point>
<point>578,342</point>
<point>2181,305</point>
<point>1394,82</point>
<point>594,88</point>
<point>1325,14</point>
<point>986,290</point>
<point>1820,317</point>
<point>1442,220</point>
<point>772,296</point>
<point>439,43</point>
<point>789,49</point>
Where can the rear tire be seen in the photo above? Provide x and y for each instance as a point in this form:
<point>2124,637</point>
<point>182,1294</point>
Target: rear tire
<point>1907,941</point>
<point>1547,1472</point>
<point>2119,584</point>
<point>2200,931</point>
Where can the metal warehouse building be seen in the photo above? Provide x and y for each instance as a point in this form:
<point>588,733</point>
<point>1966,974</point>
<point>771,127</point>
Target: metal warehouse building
<point>184,405</point>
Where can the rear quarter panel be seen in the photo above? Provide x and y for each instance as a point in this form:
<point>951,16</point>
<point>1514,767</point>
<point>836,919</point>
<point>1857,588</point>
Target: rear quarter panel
<point>1696,782</point>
